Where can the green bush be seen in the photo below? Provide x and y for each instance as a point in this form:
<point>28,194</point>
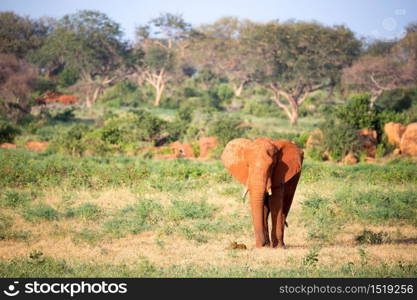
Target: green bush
<point>40,211</point>
<point>16,198</point>
<point>356,113</point>
<point>185,111</point>
<point>191,233</point>
<point>72,140</point>
<point>182,209</point>
<point>320,218</point>
<point>8,132</point>
<point>5,226</point>
<point>372,238</point>
<point>262,107</point>
<point>397,100</point>
<point>323,217</point>
<point>340,138</point>
<point>381,206</point>
<point>121,94</point>
<point>86,235</point>
<point>41,86</point>
<point>224,92</point>
<point>68,77</point>
<point>134,218</point>
<point>226,129</point>
<point>316,154</point>
<point>88,211</point>
<point>6,231</point>
<point>133,126</point>
<point>410,115</point>
<point>61,114</point>
<point>387,116</point>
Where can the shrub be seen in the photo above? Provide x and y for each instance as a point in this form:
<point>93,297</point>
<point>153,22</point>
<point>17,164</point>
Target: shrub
<point>88,236</point>
<point>316,154</point>
<point>182,209</point>
<point>41,86</point>
<point>6,232</point>
<point>62,114</point>
<point>320,218</point>
<point>226,129</point>
<point>185,111</point>
<point>123,93</point>
<point>339,139</point>
<point>312,257</point>
<point>68,77</point>
<point>8,132</point>
<point>5,225</point>
<point>373,238</point>
<point>191,233</point>
<point>262,107</point>
<point>380,206</point>
<point>16,198</point>
<point>410,115</point>
<point>356,113</point>
<point>40,211</point>
<point>71,141</point>
<point>397,100</point>
<point>389,116</point>
<point>88,211</point>
<point>224,92</point>
<point>134,218</point>
<point>301,139</point>
<point>133,126</point>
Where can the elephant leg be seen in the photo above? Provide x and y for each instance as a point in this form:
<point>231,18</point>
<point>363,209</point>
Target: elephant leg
<point>276,204</point>
<point>289,192</point>
<point>257,208</point>
<point>266,215</point>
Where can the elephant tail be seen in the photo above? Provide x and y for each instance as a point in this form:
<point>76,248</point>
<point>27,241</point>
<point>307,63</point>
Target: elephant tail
<point>286,224</point>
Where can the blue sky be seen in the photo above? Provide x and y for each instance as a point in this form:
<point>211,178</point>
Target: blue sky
<point>367,18</point>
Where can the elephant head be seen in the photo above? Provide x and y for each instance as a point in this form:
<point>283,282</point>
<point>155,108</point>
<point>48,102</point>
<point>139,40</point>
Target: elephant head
<point>265,167</point>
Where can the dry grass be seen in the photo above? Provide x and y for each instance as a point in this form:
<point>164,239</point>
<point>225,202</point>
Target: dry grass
<point>56,238</point>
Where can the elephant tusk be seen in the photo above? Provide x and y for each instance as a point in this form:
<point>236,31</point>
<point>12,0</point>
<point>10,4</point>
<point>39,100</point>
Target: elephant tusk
<point>269,191</point>
<point>244,194</point>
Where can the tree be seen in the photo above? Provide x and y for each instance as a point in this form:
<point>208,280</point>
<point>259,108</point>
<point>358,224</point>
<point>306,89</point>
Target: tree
<point>218,46</point>
<point>379,47</point>
<point>19,35</point>
<point>158,40</point>
<point>294,59</point>
<point>376,74</point>
<point>390,69</point>
<point>17,78</point>
<point>90,43</point>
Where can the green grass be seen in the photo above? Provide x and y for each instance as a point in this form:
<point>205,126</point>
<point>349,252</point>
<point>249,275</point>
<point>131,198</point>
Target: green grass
<point>40,211</point>
<point>7,232</point>
<point>324,217</point>
<point>88,236</point>
<point>374,174</point>
<point>16,198</point>
<point>20,168</point>
<point>181,209</point>
<point>372,238</point>
<point>88,211</point>
<point>183,199</point>
<point>40,266</point>
<point>133,219</point>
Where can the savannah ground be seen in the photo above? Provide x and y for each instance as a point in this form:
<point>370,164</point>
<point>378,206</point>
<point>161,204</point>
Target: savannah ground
<point>125,216</point>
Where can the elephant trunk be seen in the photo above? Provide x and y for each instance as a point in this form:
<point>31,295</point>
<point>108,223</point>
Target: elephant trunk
<point>257,188</point>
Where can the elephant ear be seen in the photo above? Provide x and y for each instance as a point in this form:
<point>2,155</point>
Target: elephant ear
<point>234,159</point>
<point>290,160</point>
